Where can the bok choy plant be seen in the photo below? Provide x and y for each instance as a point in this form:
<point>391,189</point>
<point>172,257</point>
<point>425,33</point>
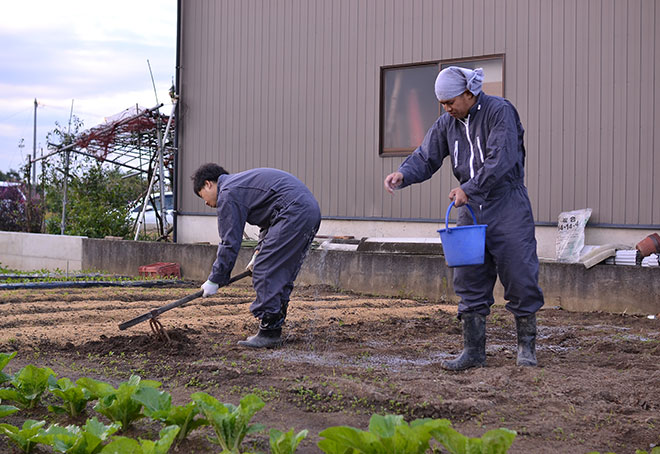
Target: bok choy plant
<point>74,397</point>
<point>230,423</point>
<point>158,405</point>
<point>119,405</point>
<point>4,359</point>
<point>387,434</point>
<point>6,410</point>
<point>28,385</point>
<point>285,442</point>
<point>72,439</point>
<point>497,441</point>
<point>27,437</point>
<point>124,445</point>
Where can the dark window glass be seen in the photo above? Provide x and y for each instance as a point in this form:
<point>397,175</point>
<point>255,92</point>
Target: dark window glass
<point>408,103</point>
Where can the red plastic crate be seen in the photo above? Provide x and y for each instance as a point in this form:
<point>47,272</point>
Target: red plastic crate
<point>160,269</point>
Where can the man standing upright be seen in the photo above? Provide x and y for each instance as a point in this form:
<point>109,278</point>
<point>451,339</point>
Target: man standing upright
<point>483,137</point>
<point>289,217</point>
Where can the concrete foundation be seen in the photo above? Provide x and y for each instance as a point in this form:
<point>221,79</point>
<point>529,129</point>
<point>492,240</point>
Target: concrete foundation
<point>618,289</point>
<point>610,288</point>
<point>195,229</point>
<point>32,251</point>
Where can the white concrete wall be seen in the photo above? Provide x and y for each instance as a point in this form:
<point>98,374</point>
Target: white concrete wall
<point>200,229</point>
<point>36,251</point>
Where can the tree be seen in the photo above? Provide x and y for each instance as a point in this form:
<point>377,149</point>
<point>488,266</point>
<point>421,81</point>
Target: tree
<point>99,196</point>
<point>11,175</point>
<point>98,200</point>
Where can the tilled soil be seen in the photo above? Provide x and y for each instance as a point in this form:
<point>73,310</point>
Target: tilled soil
<point>347,356</point>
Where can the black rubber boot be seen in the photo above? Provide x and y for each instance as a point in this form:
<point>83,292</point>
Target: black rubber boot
<point>526,328</point>
<point>269,334</point>
<point>474,344</point>
<point>265,338</point>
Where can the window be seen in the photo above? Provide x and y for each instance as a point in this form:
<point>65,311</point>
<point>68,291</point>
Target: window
<point>408,103</point>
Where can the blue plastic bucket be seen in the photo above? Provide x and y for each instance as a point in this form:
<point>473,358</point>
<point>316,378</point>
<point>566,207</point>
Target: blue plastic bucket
<point>463,245</point>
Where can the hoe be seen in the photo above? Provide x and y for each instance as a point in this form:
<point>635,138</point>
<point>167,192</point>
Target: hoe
<point>153,314</point>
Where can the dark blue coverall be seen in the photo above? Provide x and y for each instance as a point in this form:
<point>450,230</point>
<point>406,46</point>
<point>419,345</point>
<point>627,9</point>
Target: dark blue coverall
<point>289,217</point>
<point>487,156</point>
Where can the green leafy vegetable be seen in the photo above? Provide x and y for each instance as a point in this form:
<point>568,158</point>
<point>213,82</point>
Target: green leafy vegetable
<point>655,450</point>
<point>387,434</point>
<point>4,359</point>
<point>124,445</point>
<point>27,437</point>
<point>27,386</point>
<point>79,440</point>
<point>285,442</point>
<point>230,423</point>
<point>118,404</point>
<point>74,396</point>
<point>6,410</point>
<point>158,406</point>
<point>495,441</point>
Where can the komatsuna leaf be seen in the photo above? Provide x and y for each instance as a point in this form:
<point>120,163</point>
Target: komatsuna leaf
<point>497,441</point>
<point>74,397</point>
<point>348,438</point>
<point>285,442</point>
<point>161,446</point>
<point>28,384</point>
<point>157,404</point>
<point>384,426</point>
<point>96,388</point>
<point>124,445</point>
<point>118,404</point>
<point>387,434</point>
<point>230,423</point>
<point>6,410</point>
<point>26,437</point>
<point>79,440</point>
<point>329,446</point>
<point>4,360</point>
<point>184,416</point>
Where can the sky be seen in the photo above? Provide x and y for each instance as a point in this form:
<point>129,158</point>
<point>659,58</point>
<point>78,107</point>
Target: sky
<point>94,56</point>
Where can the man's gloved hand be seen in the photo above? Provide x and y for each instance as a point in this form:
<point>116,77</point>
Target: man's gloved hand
<point>250,266</point>
<point>210,288</point>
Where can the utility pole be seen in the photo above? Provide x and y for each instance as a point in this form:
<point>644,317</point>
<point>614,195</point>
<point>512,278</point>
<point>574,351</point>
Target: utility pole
<point>34,146</point>
<point>66,175</point>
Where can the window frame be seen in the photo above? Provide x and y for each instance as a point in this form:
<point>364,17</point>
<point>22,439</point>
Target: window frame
<point>399,152</point>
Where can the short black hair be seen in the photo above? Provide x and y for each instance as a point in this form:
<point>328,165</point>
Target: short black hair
<point>207,172</point>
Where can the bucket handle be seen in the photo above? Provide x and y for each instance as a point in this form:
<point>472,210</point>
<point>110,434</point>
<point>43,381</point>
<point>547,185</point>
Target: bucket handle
<point>449,209</point>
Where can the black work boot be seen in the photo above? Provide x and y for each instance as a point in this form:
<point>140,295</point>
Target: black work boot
<point>265,338</point>
<point>474,344</point>
<point>526,328</point>
<point>269,334</point>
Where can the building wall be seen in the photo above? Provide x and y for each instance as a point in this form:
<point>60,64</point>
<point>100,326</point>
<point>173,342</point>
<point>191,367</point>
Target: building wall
<point>294,84</point>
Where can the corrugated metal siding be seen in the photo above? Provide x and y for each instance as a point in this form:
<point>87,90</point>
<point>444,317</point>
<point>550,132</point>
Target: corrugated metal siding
<point>294,84</point>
